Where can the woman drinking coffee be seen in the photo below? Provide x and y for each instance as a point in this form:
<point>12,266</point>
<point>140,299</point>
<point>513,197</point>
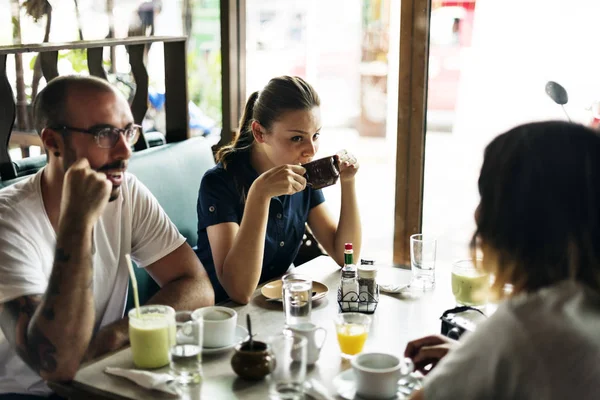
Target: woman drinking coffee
<point>254,204</point>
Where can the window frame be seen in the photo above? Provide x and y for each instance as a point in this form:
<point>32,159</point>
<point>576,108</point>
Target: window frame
<point>412,106</point>
<point>233,66</point>
<point>412,113</point>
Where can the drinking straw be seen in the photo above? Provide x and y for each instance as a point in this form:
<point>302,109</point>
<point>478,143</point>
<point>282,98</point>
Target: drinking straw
<point>136,299</point>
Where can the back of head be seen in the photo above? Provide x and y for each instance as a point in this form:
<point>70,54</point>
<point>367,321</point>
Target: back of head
<point>50,105</point>
<point>539,216</point>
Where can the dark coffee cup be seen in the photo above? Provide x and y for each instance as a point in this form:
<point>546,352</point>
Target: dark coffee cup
<point>322,172</point>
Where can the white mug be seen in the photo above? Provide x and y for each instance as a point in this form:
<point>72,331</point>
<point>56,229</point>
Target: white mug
<point>219,325</point>
<point>311,332</point>
<point>377,374</point>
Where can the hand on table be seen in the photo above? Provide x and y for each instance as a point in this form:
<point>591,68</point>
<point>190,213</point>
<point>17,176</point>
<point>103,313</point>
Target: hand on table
<point>428,350</point>
<point>108,339</point>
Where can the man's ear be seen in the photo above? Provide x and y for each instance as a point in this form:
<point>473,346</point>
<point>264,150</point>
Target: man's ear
<point>53,142</point>
<point>258,132</point>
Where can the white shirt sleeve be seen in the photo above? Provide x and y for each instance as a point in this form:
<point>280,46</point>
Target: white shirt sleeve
<point>153,234</point>
<point>21,268</point>
<point>495,362</point>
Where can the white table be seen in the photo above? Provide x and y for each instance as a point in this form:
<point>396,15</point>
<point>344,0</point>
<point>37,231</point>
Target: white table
<point>398,319</point>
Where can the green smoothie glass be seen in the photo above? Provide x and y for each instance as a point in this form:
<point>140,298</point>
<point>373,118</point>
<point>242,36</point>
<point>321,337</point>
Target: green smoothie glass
<point>152,334</point>
<point>470,285</point>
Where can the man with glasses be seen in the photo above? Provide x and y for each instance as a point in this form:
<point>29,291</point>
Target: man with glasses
<point>64,234</point>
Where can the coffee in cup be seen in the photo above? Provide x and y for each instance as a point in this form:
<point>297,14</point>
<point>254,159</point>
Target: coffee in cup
<point>377,374</point>
<point>219,326</point>
<point>216,315</point>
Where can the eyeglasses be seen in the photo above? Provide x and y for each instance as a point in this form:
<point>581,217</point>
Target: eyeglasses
<point>107,136</point>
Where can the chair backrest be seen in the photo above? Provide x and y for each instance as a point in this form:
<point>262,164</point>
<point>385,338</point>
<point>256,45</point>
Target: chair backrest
<point>172,173</point>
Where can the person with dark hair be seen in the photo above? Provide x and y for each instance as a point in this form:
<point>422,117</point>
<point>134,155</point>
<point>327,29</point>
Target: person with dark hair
<point>254,204</point>
<point>538,227</point>
<point>64,236</point>
<point>144,25</point>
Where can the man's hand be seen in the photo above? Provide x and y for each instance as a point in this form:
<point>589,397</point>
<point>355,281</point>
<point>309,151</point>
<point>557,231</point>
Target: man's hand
<point>110,338</point>
<point>85,193</point>
<point>428,350</point>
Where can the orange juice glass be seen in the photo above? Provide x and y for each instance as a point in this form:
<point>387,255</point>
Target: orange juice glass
<point>352,330</point>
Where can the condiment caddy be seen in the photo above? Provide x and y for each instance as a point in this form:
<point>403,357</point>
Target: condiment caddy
<point>358,290</point>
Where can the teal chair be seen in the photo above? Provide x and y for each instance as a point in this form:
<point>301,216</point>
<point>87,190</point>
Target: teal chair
<point>172,173</point>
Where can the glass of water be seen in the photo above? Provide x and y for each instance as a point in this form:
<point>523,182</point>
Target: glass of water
<point>422,261</point>
<point>186,354</point>
<point>297,298</point>
<point>286,381</point>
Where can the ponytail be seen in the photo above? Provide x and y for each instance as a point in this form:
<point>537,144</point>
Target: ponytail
<point>244,137</point>
<point>246,119</point>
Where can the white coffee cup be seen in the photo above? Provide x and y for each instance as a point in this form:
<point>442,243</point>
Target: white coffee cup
<point>219,326</point>
<point>315,336</point>
<point>377,374</point>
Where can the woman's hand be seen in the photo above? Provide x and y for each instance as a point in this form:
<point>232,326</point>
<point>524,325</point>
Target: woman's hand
<point>284,179</point>
<point>428,350</point>
<point>348,165</point>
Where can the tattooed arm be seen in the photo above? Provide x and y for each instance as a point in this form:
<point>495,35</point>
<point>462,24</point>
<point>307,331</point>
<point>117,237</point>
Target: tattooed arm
<point>15,316</point>
<point>52,332</point>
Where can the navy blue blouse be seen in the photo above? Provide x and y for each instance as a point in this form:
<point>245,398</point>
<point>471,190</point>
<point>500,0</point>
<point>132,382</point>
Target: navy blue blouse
<point>219,200</point>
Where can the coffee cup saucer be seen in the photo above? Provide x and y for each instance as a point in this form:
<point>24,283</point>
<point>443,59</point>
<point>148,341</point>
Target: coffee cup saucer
<point>346,388</point>
<point>241,334</point>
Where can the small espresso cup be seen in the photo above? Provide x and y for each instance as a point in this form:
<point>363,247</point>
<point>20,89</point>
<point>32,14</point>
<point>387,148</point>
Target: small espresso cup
<point>322,172</point>
<point>377,374</point>
<point>315,336</point>
<point>219,326</point>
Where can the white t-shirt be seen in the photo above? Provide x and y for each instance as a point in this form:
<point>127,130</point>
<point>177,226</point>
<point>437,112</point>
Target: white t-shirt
<point>544,345</point>
<point>134,223</point>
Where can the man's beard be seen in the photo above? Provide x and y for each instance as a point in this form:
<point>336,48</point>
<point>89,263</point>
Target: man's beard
<point>70,158</point>
<point>119,164</point>
<point>114,193</point>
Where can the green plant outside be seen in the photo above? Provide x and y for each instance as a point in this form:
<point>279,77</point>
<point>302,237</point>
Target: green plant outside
<point>204,82</point>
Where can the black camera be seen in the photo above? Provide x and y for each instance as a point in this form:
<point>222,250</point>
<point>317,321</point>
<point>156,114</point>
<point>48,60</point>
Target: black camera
<point>459,320</point>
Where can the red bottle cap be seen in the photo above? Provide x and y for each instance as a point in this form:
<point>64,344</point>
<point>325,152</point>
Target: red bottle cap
<point>348,246</point>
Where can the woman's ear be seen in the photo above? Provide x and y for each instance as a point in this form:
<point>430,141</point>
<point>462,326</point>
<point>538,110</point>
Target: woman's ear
<point>52,141</point>
<point>258,132</point>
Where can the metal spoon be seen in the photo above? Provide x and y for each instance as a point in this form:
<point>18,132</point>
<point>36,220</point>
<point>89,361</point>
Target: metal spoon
<point>251,341</point>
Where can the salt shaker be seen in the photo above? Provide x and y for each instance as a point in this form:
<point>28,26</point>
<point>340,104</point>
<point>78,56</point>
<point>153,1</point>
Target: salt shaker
<point>367,285</point>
